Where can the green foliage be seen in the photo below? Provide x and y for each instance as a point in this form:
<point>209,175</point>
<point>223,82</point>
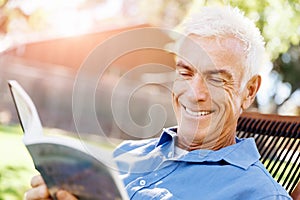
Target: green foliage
<point>288,65</point>
<point>16,168</point>
<point>12,130</point>
<point>278,20</point>
<point>13,182</point>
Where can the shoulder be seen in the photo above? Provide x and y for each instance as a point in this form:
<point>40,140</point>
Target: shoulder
<point>266,184</point>
<point>129,145</point>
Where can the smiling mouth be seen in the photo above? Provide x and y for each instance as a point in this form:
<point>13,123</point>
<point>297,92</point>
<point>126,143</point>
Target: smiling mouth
<point>197,113</point>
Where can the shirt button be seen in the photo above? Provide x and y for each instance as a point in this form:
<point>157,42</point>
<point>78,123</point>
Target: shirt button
<point>142,182</point>
<point>169,154</point>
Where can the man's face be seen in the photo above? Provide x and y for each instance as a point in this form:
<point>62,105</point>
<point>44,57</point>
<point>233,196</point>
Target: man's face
<point>207,94</point>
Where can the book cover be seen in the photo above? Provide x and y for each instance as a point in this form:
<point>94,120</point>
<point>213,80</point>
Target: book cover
<point>84,170</point>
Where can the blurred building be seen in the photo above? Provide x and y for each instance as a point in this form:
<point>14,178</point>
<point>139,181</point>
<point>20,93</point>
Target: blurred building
<point>48,70</point>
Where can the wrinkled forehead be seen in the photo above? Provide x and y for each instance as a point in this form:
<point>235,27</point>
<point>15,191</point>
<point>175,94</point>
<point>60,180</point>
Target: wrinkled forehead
<point>226,50</point>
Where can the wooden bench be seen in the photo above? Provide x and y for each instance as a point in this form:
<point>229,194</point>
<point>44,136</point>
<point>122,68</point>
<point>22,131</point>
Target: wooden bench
<point>278,141</point>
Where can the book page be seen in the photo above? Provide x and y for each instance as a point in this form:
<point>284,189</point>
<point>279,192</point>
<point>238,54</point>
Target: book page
<point>27,113</point>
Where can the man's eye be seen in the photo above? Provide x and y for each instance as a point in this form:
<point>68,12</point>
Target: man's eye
<point>217,81</point>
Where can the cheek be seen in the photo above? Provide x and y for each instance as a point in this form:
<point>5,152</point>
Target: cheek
<point>234,102</point>
<point>179,87</point>
<point>227,97</point>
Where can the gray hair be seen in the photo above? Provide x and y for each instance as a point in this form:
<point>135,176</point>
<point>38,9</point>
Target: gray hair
<point>223,21</point>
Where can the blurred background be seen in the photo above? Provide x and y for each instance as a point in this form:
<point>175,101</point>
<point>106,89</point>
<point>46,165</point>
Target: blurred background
<point>43,44</point>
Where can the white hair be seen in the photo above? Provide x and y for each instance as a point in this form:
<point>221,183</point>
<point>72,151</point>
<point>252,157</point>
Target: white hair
<point>223,21</point>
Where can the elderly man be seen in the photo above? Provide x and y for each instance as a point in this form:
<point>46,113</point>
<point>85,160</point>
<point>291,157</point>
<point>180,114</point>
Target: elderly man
<point>217,78</point>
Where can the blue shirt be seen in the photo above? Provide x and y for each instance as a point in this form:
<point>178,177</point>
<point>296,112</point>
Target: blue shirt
<point>150,170</point>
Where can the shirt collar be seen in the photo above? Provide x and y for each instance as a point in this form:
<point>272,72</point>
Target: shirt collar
<point>242,154</point>
<point>167,135</point>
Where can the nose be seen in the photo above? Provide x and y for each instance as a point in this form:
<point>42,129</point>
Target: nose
<point>198,90</point>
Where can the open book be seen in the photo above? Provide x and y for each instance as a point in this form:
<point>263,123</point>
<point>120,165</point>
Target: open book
<point>84,170</point>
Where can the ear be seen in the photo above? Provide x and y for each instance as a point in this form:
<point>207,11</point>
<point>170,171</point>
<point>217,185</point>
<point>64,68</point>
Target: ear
<point>250,91</point>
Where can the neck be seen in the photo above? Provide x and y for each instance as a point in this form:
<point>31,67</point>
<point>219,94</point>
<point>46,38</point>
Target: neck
<point>224,140</point>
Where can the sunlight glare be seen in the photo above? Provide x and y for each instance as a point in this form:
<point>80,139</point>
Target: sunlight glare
<point>70,22</point>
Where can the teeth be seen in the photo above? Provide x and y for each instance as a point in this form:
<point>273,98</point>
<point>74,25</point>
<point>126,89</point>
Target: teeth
<point>200,113</point>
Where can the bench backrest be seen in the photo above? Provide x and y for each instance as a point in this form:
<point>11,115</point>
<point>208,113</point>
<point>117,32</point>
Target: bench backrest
<point>278,141</point>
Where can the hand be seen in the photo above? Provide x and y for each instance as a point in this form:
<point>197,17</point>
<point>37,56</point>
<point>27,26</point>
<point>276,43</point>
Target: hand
<point>39,191</point>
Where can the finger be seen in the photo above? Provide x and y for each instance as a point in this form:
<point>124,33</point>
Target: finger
<point>36,181</point>
<point>26,197</point>
<point>64,195</point>
<point>40,192</point>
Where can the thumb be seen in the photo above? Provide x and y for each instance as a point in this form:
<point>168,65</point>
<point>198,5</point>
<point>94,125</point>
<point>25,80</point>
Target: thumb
<point>64,195</point>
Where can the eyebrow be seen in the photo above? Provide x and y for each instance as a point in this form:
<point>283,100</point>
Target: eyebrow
<point>224,72</point>
<point>183,65</point>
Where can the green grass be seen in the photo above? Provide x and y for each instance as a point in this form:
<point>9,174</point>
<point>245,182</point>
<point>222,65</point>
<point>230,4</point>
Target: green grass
<point>16,167</point>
